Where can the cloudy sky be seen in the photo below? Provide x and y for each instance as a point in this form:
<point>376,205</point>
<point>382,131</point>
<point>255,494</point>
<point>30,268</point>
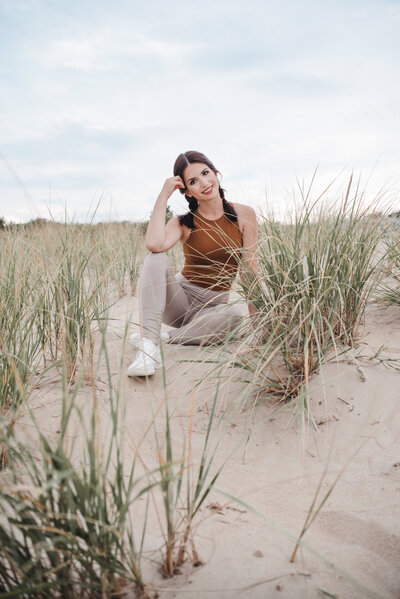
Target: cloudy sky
<point>97,99</point>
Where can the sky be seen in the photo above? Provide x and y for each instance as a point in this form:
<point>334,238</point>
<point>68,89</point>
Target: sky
<point>98,98</point>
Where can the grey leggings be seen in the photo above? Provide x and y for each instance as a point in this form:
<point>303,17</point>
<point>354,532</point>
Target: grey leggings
<point>199,315</point>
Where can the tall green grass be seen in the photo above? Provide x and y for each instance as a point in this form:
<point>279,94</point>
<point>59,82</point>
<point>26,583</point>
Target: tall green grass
<point>119,252</point>
<point>389,291</point>
<point>55,280</point>
<point>80,298</point>
<point>56,284</point>
<point>70,526</point>
<point>185,482</point>
<point>69,529</point>
<point>315,276</point>
<point>20,344</point>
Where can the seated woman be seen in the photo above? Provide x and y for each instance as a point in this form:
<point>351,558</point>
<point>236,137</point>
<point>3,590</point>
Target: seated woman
<point>215,236</point>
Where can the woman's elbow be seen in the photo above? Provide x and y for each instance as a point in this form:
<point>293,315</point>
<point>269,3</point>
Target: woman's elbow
<point>156,248</point>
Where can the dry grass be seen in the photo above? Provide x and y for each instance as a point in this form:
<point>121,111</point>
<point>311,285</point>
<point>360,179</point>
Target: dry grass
<point>70,529</point>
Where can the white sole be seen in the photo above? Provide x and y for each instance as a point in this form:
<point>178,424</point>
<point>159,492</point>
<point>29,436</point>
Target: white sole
<point>144,371</point>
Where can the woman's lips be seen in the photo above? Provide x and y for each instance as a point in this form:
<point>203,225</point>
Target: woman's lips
<point>208,190</point>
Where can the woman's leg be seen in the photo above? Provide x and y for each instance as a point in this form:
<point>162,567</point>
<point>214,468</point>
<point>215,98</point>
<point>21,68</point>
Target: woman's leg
<point>210,325</point>
<point>161,297</point>
<point>209,319</point>
<point>196,313</point>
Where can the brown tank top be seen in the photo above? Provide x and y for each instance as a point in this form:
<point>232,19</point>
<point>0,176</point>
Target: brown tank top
<point>211,253</point>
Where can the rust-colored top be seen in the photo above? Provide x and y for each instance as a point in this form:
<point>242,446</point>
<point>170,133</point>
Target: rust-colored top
<point>211,253</point>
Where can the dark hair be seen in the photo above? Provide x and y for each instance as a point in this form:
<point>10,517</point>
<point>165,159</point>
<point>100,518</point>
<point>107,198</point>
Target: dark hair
<point>180,164</point>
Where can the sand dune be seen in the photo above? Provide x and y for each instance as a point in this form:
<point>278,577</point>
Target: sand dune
<point>354,542</point>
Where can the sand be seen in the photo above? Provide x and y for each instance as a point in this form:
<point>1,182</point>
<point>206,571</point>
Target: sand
<point>353,546</point>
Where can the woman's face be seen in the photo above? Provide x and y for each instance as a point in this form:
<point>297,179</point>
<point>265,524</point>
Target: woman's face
<point>201,182</point>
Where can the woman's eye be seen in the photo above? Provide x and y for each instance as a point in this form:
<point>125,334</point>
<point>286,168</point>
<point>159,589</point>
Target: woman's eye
<point>191,182</point>
<point>206,172</point>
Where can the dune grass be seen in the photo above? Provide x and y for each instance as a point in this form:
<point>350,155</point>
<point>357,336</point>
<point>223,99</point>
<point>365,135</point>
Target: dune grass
<point>315,276</point>
<point>389,291</point>
<point>19,345</point>
<point>69,527</point>
<point>185,482</point>
<point>55,280</point>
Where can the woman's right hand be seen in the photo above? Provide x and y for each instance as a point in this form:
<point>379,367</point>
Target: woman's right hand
<point>171,184</point>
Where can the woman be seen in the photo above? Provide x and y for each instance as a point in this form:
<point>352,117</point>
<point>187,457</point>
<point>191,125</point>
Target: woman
<point>215,235</point>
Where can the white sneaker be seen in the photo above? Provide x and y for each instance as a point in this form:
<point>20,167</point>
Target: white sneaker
<point>148,358</point>
<point>135,337</point>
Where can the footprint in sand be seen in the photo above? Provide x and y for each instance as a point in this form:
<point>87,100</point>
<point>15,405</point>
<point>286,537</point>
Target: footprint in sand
<point>388,432</point>
<point>366,534</point>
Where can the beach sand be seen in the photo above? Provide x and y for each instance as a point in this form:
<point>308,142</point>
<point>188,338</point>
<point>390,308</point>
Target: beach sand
<point>353,546</point>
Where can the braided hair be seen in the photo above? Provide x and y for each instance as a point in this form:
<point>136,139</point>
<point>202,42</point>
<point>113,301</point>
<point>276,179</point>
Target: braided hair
<point>180,164</point>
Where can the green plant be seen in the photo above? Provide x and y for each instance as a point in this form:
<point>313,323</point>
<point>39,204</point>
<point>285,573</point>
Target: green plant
<point>185,483</point>
<point>79,300</point>
<point>389,292</point>
<point>315,507</point>
<point>315,277</point>
<point>20,343</point>
<point>69,530</point>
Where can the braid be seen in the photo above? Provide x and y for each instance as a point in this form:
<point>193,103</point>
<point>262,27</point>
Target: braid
<point>187,219</point>
<point>193,204</point>
<point>229,210</point>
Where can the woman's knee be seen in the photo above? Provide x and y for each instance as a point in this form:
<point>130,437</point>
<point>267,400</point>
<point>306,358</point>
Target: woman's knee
<point>157,258</point>
<point>231,314</point>
<point>155,266</point>
<point>224,318</point>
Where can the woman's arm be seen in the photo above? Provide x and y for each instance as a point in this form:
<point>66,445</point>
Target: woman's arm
<point>248,225</point>
<point>161,237</point>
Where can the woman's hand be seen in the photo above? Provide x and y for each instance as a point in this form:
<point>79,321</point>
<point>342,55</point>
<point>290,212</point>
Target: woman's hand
<point>170,185</point>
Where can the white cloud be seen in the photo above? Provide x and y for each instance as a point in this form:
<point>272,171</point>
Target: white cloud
<point>109,49</point>
<point>104,102</point>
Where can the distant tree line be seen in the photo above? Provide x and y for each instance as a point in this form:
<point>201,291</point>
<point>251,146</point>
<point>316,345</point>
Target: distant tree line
<point>40,222</point>
<point>35,223</point>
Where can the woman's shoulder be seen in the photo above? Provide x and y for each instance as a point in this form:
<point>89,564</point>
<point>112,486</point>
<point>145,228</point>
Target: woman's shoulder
<point>245,213</point>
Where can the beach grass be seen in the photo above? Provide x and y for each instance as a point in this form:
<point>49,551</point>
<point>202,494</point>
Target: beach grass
<point>316,274</point>
<point>389,290</point>
<point>69,530</point>
<point>70,527</point>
